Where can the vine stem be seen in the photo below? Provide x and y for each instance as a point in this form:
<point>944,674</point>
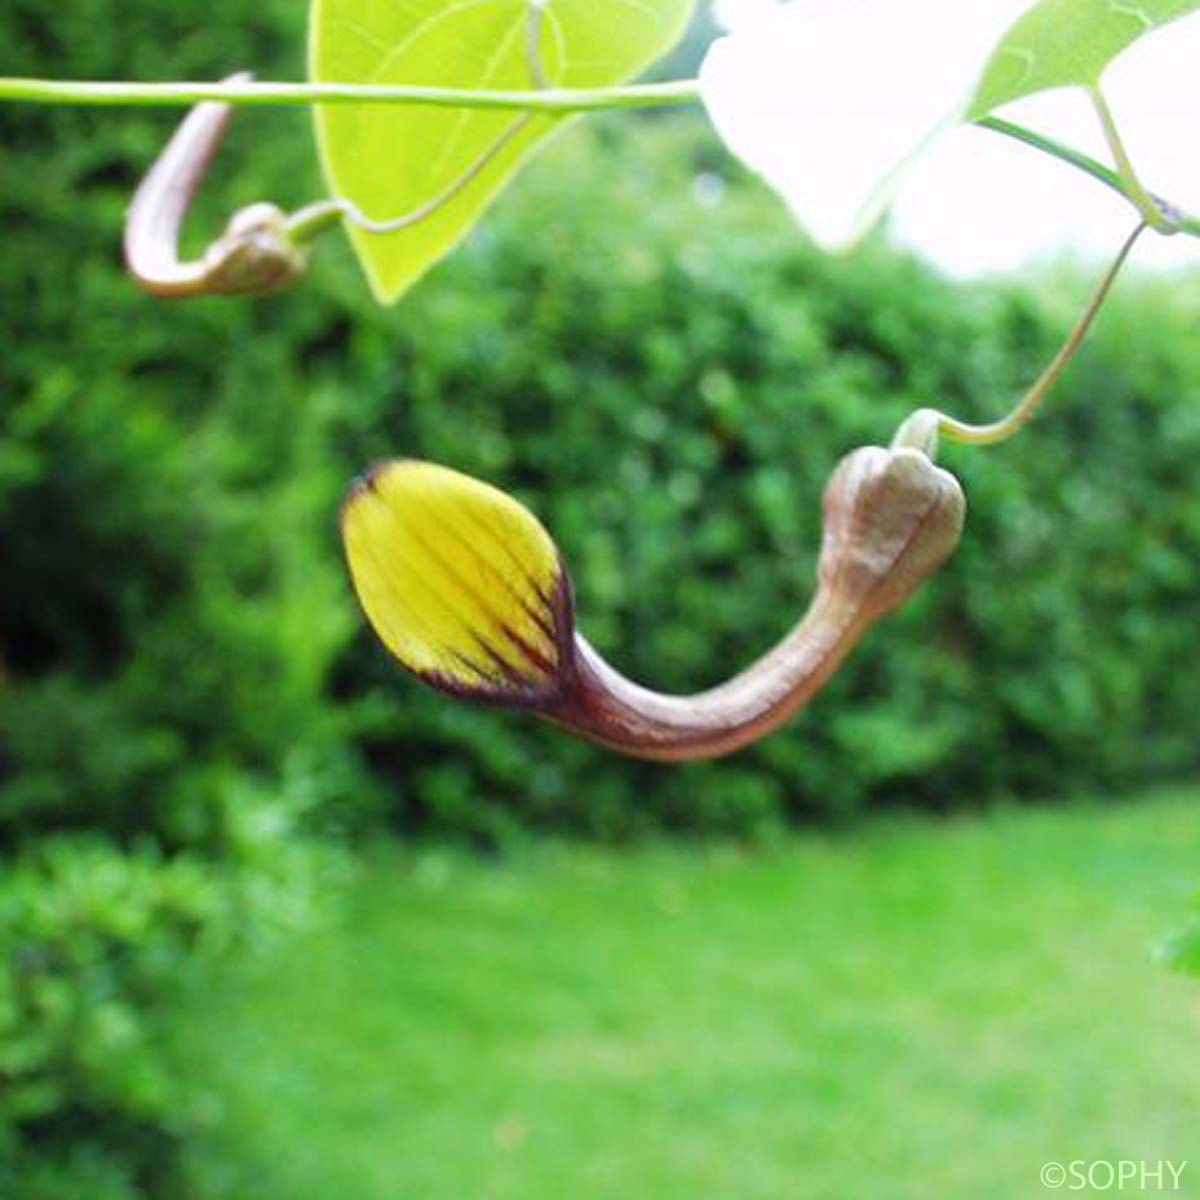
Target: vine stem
<point>546,100</point>
<point>1048,145</point>
<point>1177,222</point>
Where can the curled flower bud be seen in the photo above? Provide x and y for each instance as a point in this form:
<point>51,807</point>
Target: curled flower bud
<point>256,253</point>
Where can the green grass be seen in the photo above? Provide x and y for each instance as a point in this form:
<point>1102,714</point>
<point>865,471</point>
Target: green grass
<point>918,1009</point>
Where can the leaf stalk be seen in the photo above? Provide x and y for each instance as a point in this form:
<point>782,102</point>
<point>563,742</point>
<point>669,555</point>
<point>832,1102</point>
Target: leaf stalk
<point>926,423</point>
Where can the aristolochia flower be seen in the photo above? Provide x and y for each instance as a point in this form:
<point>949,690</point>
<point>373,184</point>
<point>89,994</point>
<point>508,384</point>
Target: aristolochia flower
<point>467,589</point>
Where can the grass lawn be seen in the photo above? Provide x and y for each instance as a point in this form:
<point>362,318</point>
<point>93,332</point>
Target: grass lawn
<point>917,1009</point>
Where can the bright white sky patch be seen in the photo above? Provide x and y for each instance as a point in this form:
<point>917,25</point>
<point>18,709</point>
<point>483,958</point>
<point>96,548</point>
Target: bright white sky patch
<point>824,98</point>
<point>793,100</point>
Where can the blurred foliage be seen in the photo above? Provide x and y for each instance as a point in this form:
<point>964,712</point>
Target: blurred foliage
<point>96,943</point>
<point>640,346</point>
<point>1183,951</point>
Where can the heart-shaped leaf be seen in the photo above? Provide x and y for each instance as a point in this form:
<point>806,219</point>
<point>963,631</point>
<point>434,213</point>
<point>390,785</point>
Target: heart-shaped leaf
<point>392,160</point>
<point>1065,43</point>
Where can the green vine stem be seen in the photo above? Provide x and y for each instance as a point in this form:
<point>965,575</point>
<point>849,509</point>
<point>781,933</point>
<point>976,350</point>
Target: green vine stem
<point>1178,222</point>
<point>547,100</point>
<point>550,101</point>
<point>1048,145</point>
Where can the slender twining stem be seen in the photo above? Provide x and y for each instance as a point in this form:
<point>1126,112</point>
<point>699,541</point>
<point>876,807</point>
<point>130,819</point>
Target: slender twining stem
<point>539,99</point>
<point>552,100</point>
<point>309,222</point>
<point>1159,214</point>
<point>1002,430</point>
<point>1131,184</point>
<point>1178,222</point>
<point>1051,146</point>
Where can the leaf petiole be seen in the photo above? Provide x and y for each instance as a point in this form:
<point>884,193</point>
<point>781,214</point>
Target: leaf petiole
<point>1019,417</point>
<point>315,218</point>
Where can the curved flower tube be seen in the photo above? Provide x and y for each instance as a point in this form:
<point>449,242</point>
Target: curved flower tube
<point>466,588</point>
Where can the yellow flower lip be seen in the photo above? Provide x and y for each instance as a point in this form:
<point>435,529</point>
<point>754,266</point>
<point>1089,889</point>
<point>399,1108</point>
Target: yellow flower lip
<point>462,583</point>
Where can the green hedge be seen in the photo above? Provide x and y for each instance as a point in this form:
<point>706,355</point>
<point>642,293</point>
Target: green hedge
<point>640,346</point>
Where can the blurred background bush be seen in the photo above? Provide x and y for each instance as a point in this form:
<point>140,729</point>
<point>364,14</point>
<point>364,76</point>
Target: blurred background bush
<point>194,720</point>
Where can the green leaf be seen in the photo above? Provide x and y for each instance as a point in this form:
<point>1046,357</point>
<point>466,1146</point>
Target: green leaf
<point>390,160</point>
<point>1064,43</point>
